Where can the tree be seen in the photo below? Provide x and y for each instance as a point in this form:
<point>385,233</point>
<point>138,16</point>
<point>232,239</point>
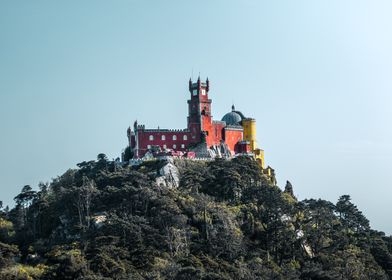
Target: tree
<point>128,154</point>
<point>8,253</point>
<point>319,224</point>
<point>273,218</point>
<point>289,189</point>
<point>23,201</point>
<point>352,219</point>
<point>83,202</point>
<point>381,254</point>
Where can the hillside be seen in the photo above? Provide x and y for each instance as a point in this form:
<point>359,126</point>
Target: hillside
<point>220,220</point>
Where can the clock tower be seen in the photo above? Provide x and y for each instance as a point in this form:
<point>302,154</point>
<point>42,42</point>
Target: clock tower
<point>199,107</point>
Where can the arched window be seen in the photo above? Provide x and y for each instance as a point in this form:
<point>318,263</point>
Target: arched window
<point>148,146</point>
<point>151,137</point>
<point>164,146</point>
<point>174,137</point>
<point>182,146</point>
<point>185,137</point>
<point>163,137</point>
<point>174,146</point>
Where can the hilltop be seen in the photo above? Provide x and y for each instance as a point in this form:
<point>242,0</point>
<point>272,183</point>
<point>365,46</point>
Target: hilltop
<point>184,219</point>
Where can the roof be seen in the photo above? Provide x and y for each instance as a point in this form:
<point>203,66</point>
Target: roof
<point>234,117</point>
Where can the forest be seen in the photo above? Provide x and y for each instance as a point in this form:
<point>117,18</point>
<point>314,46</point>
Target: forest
<point>224,220</point>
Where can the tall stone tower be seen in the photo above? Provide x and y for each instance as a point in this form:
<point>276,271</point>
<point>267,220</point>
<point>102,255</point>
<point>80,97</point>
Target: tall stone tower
<point>199,107</point>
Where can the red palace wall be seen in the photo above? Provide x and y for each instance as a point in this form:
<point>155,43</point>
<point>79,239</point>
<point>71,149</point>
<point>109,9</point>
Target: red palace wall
<point>207,126</point>
<point>143,140</point>
<point>232,137</point>
<point>214,129</point>
<point>217,129</point>
<point>243,147</point>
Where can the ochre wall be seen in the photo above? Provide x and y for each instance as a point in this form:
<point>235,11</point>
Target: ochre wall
<point>250,132</point>
<point>250,135</point>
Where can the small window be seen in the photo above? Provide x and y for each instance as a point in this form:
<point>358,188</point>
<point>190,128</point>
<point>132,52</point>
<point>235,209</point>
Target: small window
<point>185,137</point>
<point>163,137</point>
<point>148,146</point>
<point>182,146</point>
<point>151,137</point>
<point>174,146</point>
<point>174,137</point>
<point>164,146</point>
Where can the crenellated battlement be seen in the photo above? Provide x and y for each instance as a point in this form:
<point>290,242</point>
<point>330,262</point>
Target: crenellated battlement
<point>143,128</point>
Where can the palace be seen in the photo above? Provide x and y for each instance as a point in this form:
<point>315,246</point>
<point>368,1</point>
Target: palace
<point>204,137</point>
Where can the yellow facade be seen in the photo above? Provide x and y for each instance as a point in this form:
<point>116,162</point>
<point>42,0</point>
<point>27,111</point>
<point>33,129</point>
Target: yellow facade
<point>249,126</point>
<point>259,155</point>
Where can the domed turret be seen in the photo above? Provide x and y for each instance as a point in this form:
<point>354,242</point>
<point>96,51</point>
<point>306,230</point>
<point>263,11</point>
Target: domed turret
<point>233,118</point>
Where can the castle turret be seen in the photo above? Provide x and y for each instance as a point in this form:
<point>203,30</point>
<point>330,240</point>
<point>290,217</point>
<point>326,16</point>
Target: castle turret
<point>249,126</point>
<point>250,132</point>
<point>199,107</point>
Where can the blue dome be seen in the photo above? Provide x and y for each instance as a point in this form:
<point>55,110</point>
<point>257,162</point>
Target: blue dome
<point>232,118</point>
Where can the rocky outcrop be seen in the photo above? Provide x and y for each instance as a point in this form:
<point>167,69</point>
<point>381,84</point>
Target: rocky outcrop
<point>169,175</point>
<point>216,151</point>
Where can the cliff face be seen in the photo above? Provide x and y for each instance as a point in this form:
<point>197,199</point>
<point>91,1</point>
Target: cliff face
<point>184,220</point>
<point>168,175</point>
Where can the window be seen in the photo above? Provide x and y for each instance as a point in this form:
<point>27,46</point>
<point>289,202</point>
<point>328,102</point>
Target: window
<point>182,146</point>
<point>164,146</point>
<point>151,137</point>
<point>185,137</point>
<point>148,146</point>
<point>163,137</point>
<point>174,137</point>
<point>174,146</point>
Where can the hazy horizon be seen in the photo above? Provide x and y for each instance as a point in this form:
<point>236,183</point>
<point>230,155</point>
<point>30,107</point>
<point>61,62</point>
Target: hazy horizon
<point>315,75</point>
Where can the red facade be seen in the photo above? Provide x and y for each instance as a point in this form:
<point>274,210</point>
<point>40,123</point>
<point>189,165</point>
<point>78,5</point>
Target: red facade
<point>147,139</point>
<point>243,147</point>
<point>200,127</point>
<point>232,137</point>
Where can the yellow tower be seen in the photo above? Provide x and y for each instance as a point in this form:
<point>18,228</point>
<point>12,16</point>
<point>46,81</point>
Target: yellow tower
<point>249,126</point>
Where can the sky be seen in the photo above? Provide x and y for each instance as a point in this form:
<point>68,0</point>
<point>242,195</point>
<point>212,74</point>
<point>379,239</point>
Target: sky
<point>316,75</point>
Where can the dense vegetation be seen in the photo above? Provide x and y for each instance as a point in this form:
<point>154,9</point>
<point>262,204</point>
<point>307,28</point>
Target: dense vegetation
<point>224,221</point>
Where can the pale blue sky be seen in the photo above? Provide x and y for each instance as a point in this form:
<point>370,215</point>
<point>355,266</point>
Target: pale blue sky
<point>315,74</point>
